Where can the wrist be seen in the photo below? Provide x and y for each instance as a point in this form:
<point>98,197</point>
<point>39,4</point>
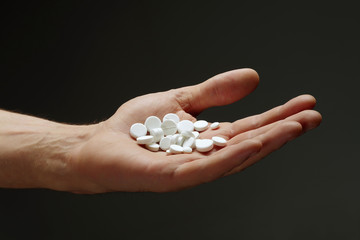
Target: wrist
<point>59,151</point>
<point>36,153</point>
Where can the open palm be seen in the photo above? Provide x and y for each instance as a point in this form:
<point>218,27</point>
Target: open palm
<point>112,161</point>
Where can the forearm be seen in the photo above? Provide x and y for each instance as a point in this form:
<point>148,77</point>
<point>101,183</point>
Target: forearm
<point>37,153</point>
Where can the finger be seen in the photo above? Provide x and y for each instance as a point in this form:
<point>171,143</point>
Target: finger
<point>293,106</point>
<point>219,90</point>
<point>271,141</point>
<point>212,167</point>
<point>308,119</point>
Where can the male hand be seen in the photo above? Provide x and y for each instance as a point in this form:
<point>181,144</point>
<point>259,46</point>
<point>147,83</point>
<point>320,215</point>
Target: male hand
<point>110,160</point>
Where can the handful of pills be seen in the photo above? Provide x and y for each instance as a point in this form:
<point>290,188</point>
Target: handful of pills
<point>174,136</point>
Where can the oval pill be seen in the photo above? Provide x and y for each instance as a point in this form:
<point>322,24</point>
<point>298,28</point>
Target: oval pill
<point>196,134</point>
<point>219,141</point>
<point>187,134</point>
<point>176,149</point>
<point>201,125</point>
<point>153,147</point>
<point>145,139</point>
<point>215,125</point>
<point>187,150</point>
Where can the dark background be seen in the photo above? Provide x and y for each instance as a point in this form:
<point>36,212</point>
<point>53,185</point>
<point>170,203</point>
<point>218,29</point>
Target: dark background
<point>78,62</point>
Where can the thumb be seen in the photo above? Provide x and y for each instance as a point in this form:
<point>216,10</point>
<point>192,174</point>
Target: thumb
<point>222,89</point>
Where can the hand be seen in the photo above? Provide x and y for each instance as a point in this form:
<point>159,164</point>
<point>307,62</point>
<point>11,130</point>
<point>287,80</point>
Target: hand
<point>110,160</point>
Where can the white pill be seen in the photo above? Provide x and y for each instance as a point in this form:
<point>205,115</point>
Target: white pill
<point>174,138</point>
<point>172,116</point>
<point>219,141</point>
<point>152,122</point>
<point>187,150</point>
<point>176,149</point>
<point>138,130</point>
<point>145,139</point>
<point>157,133</point>
<point>215,125</point>
<point>165,143</point>
<point>168,151</point>
<point>180,140</point>
<point>204,145</point>
<point>189,142</point>
<point>169,127</point>
<point>201,125</point>
<point>153,147</point>
<point>196,134</point>
<point>185,125</point>
<point>187,134</point>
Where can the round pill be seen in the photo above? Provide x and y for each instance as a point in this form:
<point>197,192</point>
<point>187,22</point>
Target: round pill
<point>152,122</point>
<point>157,133</point>
<point>187,150</point>
<point>145,139</point>
<point>185,125</point>
<point>169,127</point>
<point>219,141</point>
<point>165,143</point>
<point>138,130</point>
<point>153,147</point>
<point>204,145</point>
<point>215,125</point>
<point>171,116</point>
<point>176,149</point>
<point>189,142</point>
<point>201,125</point>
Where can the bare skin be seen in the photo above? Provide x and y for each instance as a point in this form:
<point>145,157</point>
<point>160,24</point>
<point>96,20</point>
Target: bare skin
<point>36,153</point>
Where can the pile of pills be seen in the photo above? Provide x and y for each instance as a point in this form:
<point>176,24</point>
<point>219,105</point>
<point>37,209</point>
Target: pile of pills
<point>174,136</point>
